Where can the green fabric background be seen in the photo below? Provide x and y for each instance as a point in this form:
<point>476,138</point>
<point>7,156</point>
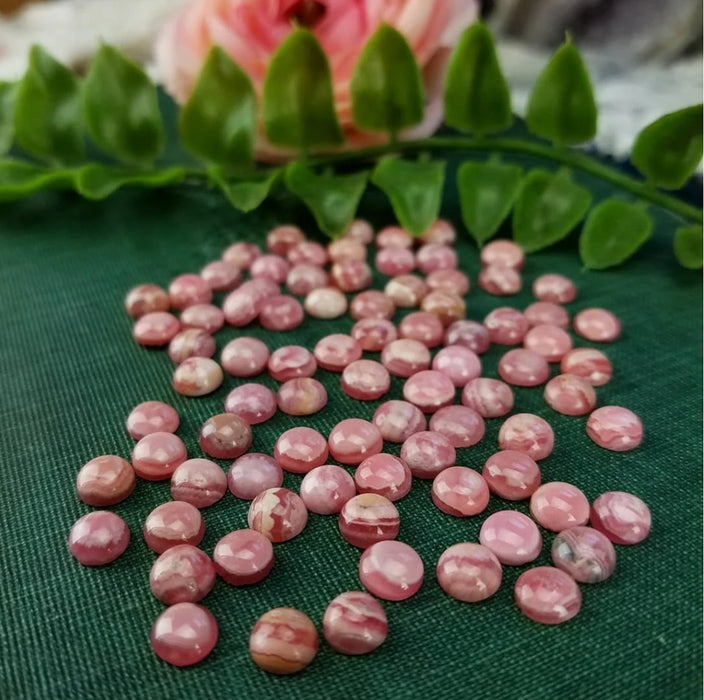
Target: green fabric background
<point>71,373</point>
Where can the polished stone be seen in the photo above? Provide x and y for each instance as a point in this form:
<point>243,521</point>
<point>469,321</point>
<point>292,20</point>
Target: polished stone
<point>558,505</point>
<point>241,255</point>
<point>394,261</point>
<point>554,288</point>
<point>346,249</point>
<point>584,553</point>
<point>469,334</point>
<point>506,326</point>
<point>302,396</point>
<point>429,389</point>
<point>406,291</point>
<point>361,231</point>
<point>270,267</point>
<point>512,475</point>
<point>393,237</point>
<point>446,306</point>
<point>207,317</point>
<point>522,367</point>
<point>351,275</point>
<point>427,454</point>
<point>461,425</point>
<point>490,398</point>
<point>512,536</point>
<point>245,357</point>
<point>404,357</point>
<point>545,313</point>
<point>433,256</point>
<point>155,328</point>
<point>365,380</point>
<point>156,456</point>
<point>326,489</point>
<point>597,325</point>
<point>615,428</point>
<point>105,481</point>
<point>373,334</point>
<point>298,450</point>
<point>225,436</point>
<point>197,376</point>
<point>459,363</point>
<point>441,232</point>
<point>549,342</point>
<point>334,352</point>
<point>354,623</point>
<point>242,305</point>
<point>460,491</point>
<point>352,440</point>
<point>253,473</point>
<point>422,326</point>
<point>398,420</point>
<point>499,280</point>
<point>526,432</point>
<point>502,252</point>
<point>192,342</point>
<point>253,403</point>
<point>278,513</point>
<point>281,313</point>
<point>182,574</point>
<point>307,253</point>
<point>368,518</point>
<point>453,282</point>
<point>469,572</point>
<point>621,516</point>
<point>372,304</point>
<point>570,395</point>
<point>547,595</point>
<point>152,417</point>
<point>243,557</point>
<point>172,523</point>
<point>291,361</point>
<point>589,363</point>
<point>184,634</point>
<point>146,298</point>
<point>304,278</point>
<point>325,303</point>
<point>383,474</point>
<point>98,538</point>
<point>199,482</point>
<point>391,570</point>
<point>221,276</point>
<point>187,290</point>
<point>281,239</point>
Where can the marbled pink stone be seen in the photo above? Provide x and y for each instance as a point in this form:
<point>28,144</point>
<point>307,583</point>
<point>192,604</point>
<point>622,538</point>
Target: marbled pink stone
<point>301,449</point>
<point>187,290</point>
<point>432,257</point>
<point>598,325</point>
<point>588,363</point>
<point>526,432</point>
<point>584,553</point>
<point>279,514</point>
<point>429,390</point>
<point>301,397</point>
<point>155,328</point>
<point>513,537</point>
<point>225,436</point>
<point>558,505</point>
<point>570,395</point>
<point>512,475</point>
<point>461,425</point>
<point>156,456</point>
<point>469,572</point>
<point>361,231</point>
<point>460,364</point>
<point>422,326</point>
<point>522,367</point>
<point>453,282</point>
<point>354,623</point>
<point>325,303</point>
<point>334,352</point>
<point>146,298</point>
<point>199,482</point>
<point>545,313</point>
<point>615,428</point>
<point>98,538</point>
<point>291,361</point>
<point>303,279</point>
<point>373,334</point>
<point>182,574</point>
<point>427,453</point>
<point>281,313</point>
<point>365,380</point>
<point>499,280</point>
<point>506,326</point>
<point>326,489</point>
<point>220,276</point>
<point>490,398</point>
<point>152,417</point>
<point>197,376</point>
<point>207,317</point>
<point>384,475</point>
<point>270,267</point>
<point>554,288</point>
<point>398,420</point>
<point>368,518</point>
<point>253,403</point>
<point>406,291</point>
<point>550,342</point>
<point>446,306</point>
<point>352,440</point>
<point>241,255</point>
<point>253,473</point>
<point>184,634</point>
<point>404,357</point>
<point>621,516</point>
<point>172,523</point>
<point>504,253</point>
<point>351,275</point>
<point>283,641</point>
<point>391,570</point>
<point>468,334</point>
<point>307,253</point>
<point>243,557</point>
<point>244,357</point>
<point>371,304</point>
<point>105,481</point>
<point>441,232</point>
<point>193,342</point>
<point>243,305</point>
<point>346,249</point>
<point>394,237</point>
<point>460,491</point>
<point>395,261</point>
<point>547,595</point>
<point>281,239</point>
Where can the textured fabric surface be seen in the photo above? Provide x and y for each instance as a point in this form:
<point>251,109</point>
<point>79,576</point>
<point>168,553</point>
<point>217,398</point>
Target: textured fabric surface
<point>70,374</point>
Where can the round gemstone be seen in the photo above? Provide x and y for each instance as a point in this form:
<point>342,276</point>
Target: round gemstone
<point>469,572</point>
<point>172,523</point>
<point>460,491</point>
<point>298,450</point>
<point>598,325</point>
<point>391,570</point>
<point>429,390</point>
<point>346,249</point>
<point>303,279</point>
<point>461,425</point>
<point>406,291</point>
<point>615,428</point>
<point>554,288</point>
<point>490,398</point>
<point>152,417</point>
<point>361,231</point>
<point>270,267</point>
<point>549,342</point>
<point>281,239</point>
<point>404,357</point>
<point>506,326</point>
<point>394,237</point>
<point>281,313</point>
<point>193,342</point>
<point>365,380</point>
<point>225,436</point>
<point>385,475</point>
<point>351,275</point>
<point>513,537</point>
<point>588,363</point>
<point>449,281</point>
<point>184,634</point>
<point>187,290</point>
<point>207,317</point>
<point>522,367</point>
<point>220,276</point>
<point>468,334</point>
<point>368,518</point>
<point>459,363</point>
<point>373,334</point>
<point>422,326</point>
<point>199,482</point>
<point>242,306</point>
<point>372,304</point>
<point>499,280</point>
<point>253,473</point>
<point>291,361</point>
<point>427,454</point>
<point>326,489</point>
<point>98,538</point>
<point>253,403</point>
<point>243,557</point>
<point>244,357</point>
<point>504,253</point>
<point>558,505</point>
<point>433,256</point>
<point>446,306</point>
<point>301,397</point>
<point>511,475</point>
<point>584,553</point>
<point>146,298</point>
<point>105,481</point>
<point>352,440</point>
<point>547,595</point>
<point>441,232</point>
<point>307,253</point>
<point>334,352</point>
<point>241,255</point>
<point>621,516</point>
<point>197,376</point>
<point>546,313</point>
<point>570,394</point>
<point>354,623</point>
<point>526,432</point>
<point>182,574</point>
<point>155,328</point>
<point>279,514</point>
<point>395,261</point>
<point>156,456</point>
<point>398,420</point>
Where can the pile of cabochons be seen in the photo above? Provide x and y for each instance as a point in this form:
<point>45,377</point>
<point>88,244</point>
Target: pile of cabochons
<point>427,282</point>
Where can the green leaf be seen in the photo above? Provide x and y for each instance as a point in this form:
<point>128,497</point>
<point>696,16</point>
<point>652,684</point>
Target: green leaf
<point>477,97</point>
<point>218,122</point>
<point>48,110</point>
<point>561,106</point>
<point>333,199</point>
<point>548,207</point>
<point>613,231</point>
<point>298,104</point>
<point>487,193</point>
<point>688,247</point>
<point>668,151</point>
<point>97,181</point>
<point>245,195</point>
<point>414,188</point>
<point>18,179</point>
<point>387,88</point>
<point>120,108</point>
<point>7,109</point>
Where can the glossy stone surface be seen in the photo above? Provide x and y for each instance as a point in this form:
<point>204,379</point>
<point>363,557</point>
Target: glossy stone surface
<point>469,572</point>
<point>433,256</point>
<point>615,428</point>
<point>361,231</point>
<point>270,267</point>
<point>506,326</point>
<point>512,536</point>
<point>192,342</point>
<point>325,303</point>
<point>459,363</point>
<point>307,253</point>
<point>326,489</point>
<point>427,454</point>
<point>383,474</point>
<point>570,394</point>
<point>291,361</point>
<point>441,232</point>
<point>155,328</point>
<point>242,306</point>
<point>502,252</point>
<point>398,420</point>
<point>244,357</point>
<point>283,641</point>
<point>152,417</point>
<point>526,432</point>
<point>351,275</point>
<point>404,357</point>
<point>461,425</point>
<point>468,334</point>
<point>182,574</point>
<point>588,363</point>
<point>184,634</point>
<point>334,352</point>
<point>406,291</point>
<point>146,298</point>
<point>241,255</point>
<point>346,249</point>
<point>499,280</point>
<point>302,396</point>
<point>105,481</point>
<point>395,261</point>
<point>225,436</point>
<point>207,317</point>
<point>558,505</point>
<point>298,450</point>
<point>449,281</point>
<point>365,380</point>
<point>253,403</point>
<point>373,334</point>
<point>354,623</point>
<point>281,239</point>
<point>187,290</point>
<point>279,514</point>
<point>584,553</point>
<point>391,570</point>
<point>446,306</point>
<point>199,482</point>
<point>372,304</point>
<point>490,398</point>
<point>243,557</point>
<point>156,456</point>
<point>621,516</point>
<point>98,538</point>
<point>554,288</point>
<point>393,237</point>
<point>598,325</point>
<point>422,326</point>
<point>281,313</point>
<point>546,313</point>
<point>547,595</point>
<point>253,473</point>
<point>511,475</point>
<point>303,279</point>
<point>522,367</point>
<point>197,376</point>
<point>368,518</point>
<point>220,276</point>
<point>429,390</point>
<point>172,523</point>
<point>353,440</point>
<point>460,491</point>
<point>549,342</point>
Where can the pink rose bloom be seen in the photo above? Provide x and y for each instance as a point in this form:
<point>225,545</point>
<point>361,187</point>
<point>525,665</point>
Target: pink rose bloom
<point>251,30</point>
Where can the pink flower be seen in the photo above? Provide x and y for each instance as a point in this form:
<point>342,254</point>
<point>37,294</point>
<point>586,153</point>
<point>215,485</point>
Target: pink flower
<point>251,30</point>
